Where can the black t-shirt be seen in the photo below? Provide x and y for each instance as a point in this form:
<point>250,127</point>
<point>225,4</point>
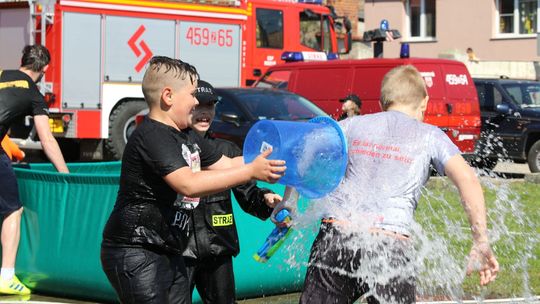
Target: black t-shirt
<point>19,96</point>
<point>147,211</point>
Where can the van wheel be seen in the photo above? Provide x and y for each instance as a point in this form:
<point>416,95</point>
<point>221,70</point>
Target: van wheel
<point>121,125</point>
<point>534,157</point>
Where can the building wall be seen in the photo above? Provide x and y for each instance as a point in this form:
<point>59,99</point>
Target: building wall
<point>347,8</point>
<point>460,24</point>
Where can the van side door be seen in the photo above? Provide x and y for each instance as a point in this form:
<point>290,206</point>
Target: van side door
<point>324,86</point>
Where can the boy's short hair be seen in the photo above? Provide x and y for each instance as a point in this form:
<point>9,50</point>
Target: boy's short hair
<point>162,72</point>
<point>35,57</point>
<point>403,85</point>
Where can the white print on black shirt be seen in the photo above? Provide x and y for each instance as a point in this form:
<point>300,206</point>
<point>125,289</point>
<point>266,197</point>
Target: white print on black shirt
<point>184,204</point>
<point>181,220</point>
<point>191,155</point>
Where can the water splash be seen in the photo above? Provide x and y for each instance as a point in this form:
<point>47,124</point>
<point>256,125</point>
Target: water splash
<point>441,241</point>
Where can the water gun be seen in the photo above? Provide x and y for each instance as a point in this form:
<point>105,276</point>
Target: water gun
<point>275,239</point>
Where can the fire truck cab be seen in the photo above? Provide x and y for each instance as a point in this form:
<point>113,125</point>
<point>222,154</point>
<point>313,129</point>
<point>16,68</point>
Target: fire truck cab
<point>100,49</point>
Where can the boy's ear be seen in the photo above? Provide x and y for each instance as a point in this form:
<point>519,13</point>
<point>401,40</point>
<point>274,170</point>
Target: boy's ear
<point>423,104</point>
<point>166,96</point>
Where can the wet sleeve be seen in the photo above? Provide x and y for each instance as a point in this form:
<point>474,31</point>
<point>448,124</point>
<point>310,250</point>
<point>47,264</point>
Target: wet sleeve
<point>209,153</point>
<point>344,124</point>
<point>251,199</point>
<point>162,152</point>
<point>39,106</point>
<point>442,149</point>
<point>249,196</point>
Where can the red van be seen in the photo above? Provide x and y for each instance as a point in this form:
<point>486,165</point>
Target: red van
<point>453,104</point>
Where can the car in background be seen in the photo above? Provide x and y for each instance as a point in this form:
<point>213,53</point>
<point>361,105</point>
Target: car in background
<point>240,108</point>
<point>510,113</point>
<point>237,109</point>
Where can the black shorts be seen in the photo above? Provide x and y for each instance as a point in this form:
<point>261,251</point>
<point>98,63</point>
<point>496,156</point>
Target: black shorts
<point>139,275</point>
<point>214,279</point>
<point>9,189</point>
<point>339,273</point>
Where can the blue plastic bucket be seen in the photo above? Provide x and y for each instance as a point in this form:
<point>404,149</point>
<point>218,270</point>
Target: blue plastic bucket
<point>315,152</point>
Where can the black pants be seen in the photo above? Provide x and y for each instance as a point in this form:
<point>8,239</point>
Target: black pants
<point>9,189</point>
<point>140,275</point>
<point>334,274</point>
<point>214,279</point>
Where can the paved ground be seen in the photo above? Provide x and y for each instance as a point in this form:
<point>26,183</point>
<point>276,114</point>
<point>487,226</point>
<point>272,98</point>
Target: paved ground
<point>508,167</point>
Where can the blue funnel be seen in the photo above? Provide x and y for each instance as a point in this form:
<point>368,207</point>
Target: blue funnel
<point>315,152</point>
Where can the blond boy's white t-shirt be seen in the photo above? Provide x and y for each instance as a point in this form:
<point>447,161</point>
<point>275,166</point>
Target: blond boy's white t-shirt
<point>389,161</point>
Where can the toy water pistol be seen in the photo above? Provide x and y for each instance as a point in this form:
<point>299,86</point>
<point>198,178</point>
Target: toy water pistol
<point>275,239</point>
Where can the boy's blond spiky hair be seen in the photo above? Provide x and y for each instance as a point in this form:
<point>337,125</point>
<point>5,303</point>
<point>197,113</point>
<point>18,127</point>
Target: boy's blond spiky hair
<point>162,72</point>
<point>403,85</point>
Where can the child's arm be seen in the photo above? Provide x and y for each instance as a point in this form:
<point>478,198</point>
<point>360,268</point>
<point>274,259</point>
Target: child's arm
<point>481,257</point>
<point>256,201</point>
<point>226,162</point>
<point>196,184</point>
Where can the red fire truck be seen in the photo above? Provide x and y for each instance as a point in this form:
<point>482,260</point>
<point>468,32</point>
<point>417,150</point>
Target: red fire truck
<point>100,49</point>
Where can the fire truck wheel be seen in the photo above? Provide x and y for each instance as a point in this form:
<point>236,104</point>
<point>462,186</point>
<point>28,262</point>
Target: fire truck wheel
<point>533,157</point>
<point>121,125</point>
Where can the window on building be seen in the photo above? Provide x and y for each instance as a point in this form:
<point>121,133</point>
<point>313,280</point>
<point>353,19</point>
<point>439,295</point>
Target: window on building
<point>518,17</point>
<point>269,28</point>
<point>422,18</point>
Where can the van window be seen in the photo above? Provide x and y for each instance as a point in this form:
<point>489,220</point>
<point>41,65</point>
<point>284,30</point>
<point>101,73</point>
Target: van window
<point>488,96</point>
<point>315,31</point>
<point>269,28</point>
<point>275,79</point>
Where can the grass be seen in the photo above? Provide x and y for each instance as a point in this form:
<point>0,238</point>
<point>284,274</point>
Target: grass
<point>514,223</point>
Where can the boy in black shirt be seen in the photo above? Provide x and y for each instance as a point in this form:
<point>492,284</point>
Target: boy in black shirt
<point>214,240</point>
<point>160,183</point>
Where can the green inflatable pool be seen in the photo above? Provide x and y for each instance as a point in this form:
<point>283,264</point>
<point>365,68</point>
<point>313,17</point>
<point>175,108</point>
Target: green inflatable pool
<point>64,218</point>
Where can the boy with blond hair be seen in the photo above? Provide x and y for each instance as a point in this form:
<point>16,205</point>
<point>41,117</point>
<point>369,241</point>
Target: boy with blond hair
<point>160,183</point>
<point>363,246</point>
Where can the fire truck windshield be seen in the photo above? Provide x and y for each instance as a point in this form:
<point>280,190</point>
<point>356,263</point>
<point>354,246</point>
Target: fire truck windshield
<point>315,31</point>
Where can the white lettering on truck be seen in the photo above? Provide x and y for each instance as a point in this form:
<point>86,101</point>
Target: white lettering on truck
<point>453,79</point>
<point>428,78</point>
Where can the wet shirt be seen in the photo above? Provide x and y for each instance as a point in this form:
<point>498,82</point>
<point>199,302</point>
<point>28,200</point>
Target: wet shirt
<point>213,224</point>
<point>19,96</point>
<point>147,211</point>
<point>389,161</point>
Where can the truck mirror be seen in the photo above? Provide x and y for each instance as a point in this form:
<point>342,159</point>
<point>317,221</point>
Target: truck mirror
<point>344,39</point>
<point>345,43</point>
<point>503,108</point>
<point>231,118</point>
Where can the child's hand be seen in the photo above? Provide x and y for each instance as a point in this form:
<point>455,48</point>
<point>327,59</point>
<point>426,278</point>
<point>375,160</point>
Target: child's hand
<point>272,199</point>
<point>482,260</point>
<point>267,170</point>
